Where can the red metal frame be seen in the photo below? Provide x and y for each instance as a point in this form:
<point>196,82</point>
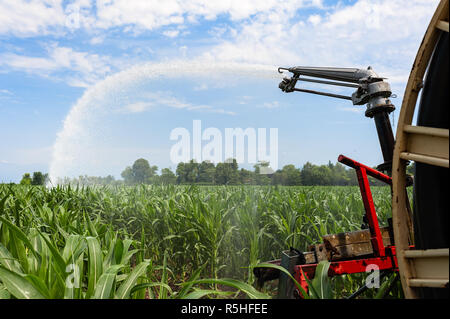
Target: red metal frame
<point>383,257</point>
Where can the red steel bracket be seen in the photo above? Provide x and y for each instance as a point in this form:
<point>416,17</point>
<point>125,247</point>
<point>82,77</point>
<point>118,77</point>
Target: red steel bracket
<point>348,267</point>
<point>362,171</point>
<point>383,257</point>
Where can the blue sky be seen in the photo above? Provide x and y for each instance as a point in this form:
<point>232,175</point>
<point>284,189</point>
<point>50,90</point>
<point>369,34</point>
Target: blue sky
<point>55,54</point>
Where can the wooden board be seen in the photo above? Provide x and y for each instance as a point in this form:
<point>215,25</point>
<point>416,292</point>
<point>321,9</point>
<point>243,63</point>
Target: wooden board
<point>360,236</point>
<point>345,245</point>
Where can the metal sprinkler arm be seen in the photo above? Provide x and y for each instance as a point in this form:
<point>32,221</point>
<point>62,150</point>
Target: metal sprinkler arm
<point>339,74</point>
<point>371,89</point>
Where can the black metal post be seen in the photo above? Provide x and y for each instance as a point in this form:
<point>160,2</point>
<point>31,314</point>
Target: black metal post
<point>386,138</point>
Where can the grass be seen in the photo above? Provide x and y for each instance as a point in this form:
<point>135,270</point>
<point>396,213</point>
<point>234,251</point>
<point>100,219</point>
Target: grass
<point>164,241</point>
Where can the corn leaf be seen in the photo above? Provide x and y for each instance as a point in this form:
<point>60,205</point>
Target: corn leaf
<point>95,263</point>
<point>125,288</point>
<point>18,286</point>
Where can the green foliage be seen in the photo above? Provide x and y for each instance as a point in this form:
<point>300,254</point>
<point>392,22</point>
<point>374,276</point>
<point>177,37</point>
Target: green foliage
<point>139,173</point>
<point>26,179</point>
<point>167,177</point>
<point>227,173</point>
<point>320,286</point>
<point>289,175</point>
<point>131,241</point>
<point>127,175</point>
<point>39,178</point>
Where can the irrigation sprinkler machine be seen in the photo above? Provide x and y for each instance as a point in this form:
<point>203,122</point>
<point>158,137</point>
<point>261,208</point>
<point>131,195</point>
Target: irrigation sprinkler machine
<point>358,251</point>
<point>422,268</point>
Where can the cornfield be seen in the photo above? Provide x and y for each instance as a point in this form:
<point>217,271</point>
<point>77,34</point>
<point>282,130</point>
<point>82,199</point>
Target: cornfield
<point>165,241</point>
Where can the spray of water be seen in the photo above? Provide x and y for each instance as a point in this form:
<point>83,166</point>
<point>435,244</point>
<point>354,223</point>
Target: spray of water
<point>75,149</point>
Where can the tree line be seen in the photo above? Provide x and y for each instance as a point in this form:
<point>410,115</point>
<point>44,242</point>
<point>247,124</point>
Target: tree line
<point>38,178</point>
<point>227,173</point>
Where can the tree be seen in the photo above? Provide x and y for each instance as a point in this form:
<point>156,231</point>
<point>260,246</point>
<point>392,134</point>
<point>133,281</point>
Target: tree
<point>167,176</point>
<point>206,171</point>
<point>26,179</point>
<point>246,176</point>
<point>233,171</point>
<point>339,175</point>
<point>278,178</point>
<point>322,175</point>
<point>227,173</point>
<point>290,175</point>
<point>307,174</point>
<point>181,173</point>
<point>140,173</point>
<point>39,178</point>
<point>263,173</point>
<point>108,180</point>
<point>191,171</point>
<point>220,175</point>
<point>127,175</point>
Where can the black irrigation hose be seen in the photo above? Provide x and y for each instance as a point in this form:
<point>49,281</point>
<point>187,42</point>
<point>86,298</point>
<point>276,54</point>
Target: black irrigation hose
<point>364,288</point>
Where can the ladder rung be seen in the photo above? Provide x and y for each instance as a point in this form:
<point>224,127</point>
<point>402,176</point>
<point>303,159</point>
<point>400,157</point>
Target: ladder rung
<point>425,130</point>
<point>436,161</point>
<point>432,283</point>
<point>427,141</point>
<point>442,25</point>
<point>429,267</point>
<point>428,253</point>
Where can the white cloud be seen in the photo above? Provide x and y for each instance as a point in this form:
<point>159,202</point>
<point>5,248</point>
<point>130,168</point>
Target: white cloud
<point>28,64</point>
<point>6,92</point>
<point>41,17</point>
<point>245,99</point>
<point>352,109</point>
<point>201,87</point>
<point>27,18</point>
<point>97,40</point>
<point>171,33</point>
<point>85,68</point>
<point>137,107</point>
<point>271,105</point>
<point>379,33</point>
<point>23,18</point>
<point>149,15</point>
<point>315,19</point>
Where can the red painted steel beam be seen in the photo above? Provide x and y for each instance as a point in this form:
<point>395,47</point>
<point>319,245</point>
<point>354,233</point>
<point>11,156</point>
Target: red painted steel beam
<point>371,214</point>
<point>383,257</point>
<point>362,171</point>
<point>348,267</point>
<point>370,171</point>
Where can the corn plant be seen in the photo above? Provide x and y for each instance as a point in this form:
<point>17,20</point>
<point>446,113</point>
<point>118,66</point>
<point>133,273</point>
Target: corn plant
<point>171,241</point>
